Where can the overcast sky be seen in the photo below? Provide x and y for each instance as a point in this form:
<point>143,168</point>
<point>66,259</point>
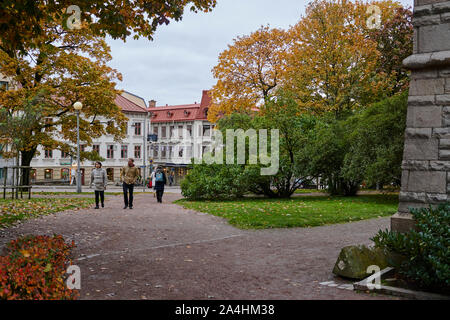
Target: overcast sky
<point>176,66</point>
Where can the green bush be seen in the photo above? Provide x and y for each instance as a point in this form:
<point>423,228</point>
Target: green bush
<point>426,250</point>
<point>211,181</point>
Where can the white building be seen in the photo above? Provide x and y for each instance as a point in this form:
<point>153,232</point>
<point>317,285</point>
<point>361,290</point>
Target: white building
<point>183,133</point>
<point>56,167</point>
<point>169,123</point>
<point>6,84</point>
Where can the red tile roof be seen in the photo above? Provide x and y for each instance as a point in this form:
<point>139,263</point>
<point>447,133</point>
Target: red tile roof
<point>127,105</point>
<point>187,112</point>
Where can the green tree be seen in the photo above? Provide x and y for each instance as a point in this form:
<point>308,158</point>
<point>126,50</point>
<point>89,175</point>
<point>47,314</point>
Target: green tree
<point>325,152</point>
<point>376,142</point>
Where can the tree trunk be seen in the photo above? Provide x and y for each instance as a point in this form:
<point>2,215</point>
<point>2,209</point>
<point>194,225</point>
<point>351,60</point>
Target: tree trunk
<point>27,156</point>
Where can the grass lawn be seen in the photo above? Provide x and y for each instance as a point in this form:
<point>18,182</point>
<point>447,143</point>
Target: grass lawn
<point>311,211</point>
<point>15,210</point>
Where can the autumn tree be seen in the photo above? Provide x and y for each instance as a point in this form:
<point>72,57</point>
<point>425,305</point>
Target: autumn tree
<point>23,21</point>
<point>248,71</point>
<point>394,38</point>
<point>333,65</point>
<point>65,66</point>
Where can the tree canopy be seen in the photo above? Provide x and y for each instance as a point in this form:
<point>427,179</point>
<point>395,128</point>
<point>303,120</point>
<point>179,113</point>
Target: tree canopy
<point>51,74</point>
<point>22,21</point>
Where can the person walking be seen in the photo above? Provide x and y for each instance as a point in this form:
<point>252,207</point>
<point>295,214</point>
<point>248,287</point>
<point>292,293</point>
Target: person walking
<point>99,180</point>
<point>128,176</point>
<point>171,179</point>
<point>160,181</point>
<point>73,173</point>
<point>152,177</point>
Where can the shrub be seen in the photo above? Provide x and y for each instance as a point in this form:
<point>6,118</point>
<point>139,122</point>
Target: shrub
<point>426,250</point>
<point>34,268</point>
<point>210,181</point>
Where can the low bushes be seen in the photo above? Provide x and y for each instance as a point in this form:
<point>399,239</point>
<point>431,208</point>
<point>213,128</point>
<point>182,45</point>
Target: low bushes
<point>425,251</point>
<point>214,181</point>
<point>34,268</point>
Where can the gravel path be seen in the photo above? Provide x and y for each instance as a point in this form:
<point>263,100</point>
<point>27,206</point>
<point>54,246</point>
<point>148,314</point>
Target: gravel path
<point>162,251</point>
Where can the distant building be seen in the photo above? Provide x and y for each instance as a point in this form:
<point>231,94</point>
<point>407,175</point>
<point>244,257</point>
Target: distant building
<point>55,166</point>
<point>6,84</point>
<point>183,133</point>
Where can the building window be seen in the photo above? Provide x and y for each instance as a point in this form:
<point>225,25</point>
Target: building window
<point>48,174</point>
<point>96,148</point>
<point>163,132</point>
<point>65,174</point>
<point>172,131</point>
<point>110,174</point>
<point>206,130</point>
<point>155,130</point>
<point>180,132</point>
<point>163,151</point>
<point>124,151</point>
<point>180,152</point>
<point>48,153</point>
<point>82,148</point>
<point>137,152</point>
<point>65,155</point>
<point>4,85</point>
<point>137,129</point>
<point>170,151</point>
<point>110,152</point>
<point>189,130</point>
<point>155,151</point>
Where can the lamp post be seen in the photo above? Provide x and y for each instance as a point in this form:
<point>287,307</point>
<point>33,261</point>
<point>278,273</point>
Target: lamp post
<point>78,106</point>
<point>144,138</point>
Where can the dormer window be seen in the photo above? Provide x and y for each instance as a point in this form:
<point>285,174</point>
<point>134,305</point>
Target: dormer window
<point>169,114</point>
<point>186,113</point>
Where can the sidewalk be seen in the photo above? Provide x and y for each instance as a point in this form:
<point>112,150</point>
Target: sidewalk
<point>163,251</point>
<point>109,188</point>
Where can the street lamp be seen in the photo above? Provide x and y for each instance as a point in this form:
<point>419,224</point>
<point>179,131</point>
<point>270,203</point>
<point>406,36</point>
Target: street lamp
<point>78,106</point>
<point>144,146</point>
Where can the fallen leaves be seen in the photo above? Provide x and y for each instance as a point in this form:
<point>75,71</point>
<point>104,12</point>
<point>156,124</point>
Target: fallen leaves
<point>12,211</point>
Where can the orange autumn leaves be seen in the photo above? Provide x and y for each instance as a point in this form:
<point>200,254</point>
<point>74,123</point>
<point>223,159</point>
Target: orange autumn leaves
<point>327,60</point>
<point>249,70</point>
<point>34,268</point>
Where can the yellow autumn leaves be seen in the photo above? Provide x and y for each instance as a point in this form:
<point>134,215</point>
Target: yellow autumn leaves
<point>327,60</point>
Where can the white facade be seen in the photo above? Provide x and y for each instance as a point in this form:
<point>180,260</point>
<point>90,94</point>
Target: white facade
<point>54,165</point>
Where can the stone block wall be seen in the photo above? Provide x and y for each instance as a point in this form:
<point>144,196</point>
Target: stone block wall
<point>426,157</point>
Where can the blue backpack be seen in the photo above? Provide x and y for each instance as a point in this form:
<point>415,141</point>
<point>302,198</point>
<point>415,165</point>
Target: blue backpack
<point>159,177</point>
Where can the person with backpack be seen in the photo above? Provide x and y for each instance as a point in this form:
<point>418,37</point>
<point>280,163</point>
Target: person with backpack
<point>160,181</point>
<point>99,181</point>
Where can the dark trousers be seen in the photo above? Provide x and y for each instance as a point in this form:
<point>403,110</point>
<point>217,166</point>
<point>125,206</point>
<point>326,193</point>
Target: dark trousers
<point>159,194</point>
<point>101,195</point>
<point>128,194</point>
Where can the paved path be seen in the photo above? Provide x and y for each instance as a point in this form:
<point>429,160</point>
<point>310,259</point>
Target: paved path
<point>162,251</point>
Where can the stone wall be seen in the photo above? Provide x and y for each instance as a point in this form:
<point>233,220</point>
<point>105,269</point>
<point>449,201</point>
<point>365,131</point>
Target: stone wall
<point>426,157</point>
